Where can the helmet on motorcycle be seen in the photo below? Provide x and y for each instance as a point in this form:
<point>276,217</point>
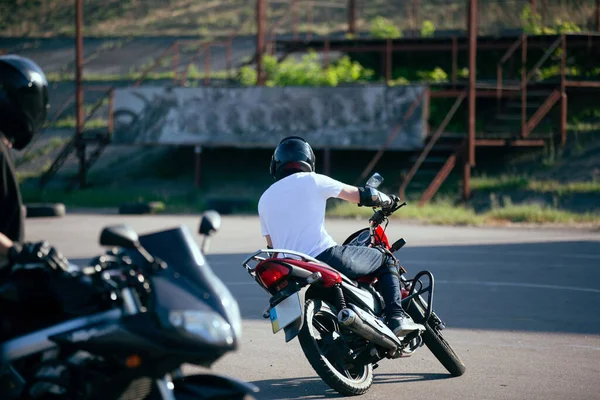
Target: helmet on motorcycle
<point>293,154</point>
<point>23,99</point>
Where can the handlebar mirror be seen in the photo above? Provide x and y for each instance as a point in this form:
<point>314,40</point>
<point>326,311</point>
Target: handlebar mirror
<point>119,236</point>
<point>374,181</point>
<point>210,223</point>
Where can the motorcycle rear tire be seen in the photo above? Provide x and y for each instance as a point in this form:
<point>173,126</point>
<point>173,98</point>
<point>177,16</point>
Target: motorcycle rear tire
<point>436,343</point>
<point>321,364</point>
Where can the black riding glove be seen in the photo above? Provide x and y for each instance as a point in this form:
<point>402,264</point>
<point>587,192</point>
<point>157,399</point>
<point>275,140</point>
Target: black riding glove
<point>370,197</point>
<point>37,253</point>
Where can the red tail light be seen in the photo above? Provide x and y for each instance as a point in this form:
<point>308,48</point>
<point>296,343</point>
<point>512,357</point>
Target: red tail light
<point>271,273</point>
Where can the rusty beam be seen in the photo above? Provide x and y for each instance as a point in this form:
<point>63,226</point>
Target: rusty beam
<point>542,111</point>
<point>388,61</point>
<point>294,12</point>
<point>390,138</point>
<point>229,63</point>
<point>175,62</point>
<point>510,143</point>
<point>533,6</point>
<point>438,180</point>
<point>454,60</point>
<point>431,143</point>
<point>151,67</point>
<point>472,78</point>
<point>524,87</point>
<point>198,166</point>
<point>193,60</point>
<point>563,91</point>
<point>466,179</point>
<point>582,84</point>
<point>207,65</point>
<point>542,60</point>
<point>79,90</point>
<point>111,107</point>
<point>416,13</point>
<point>352,16</point>
<point>260,40</point>
<point>309,17</point>
<point>326,58</point>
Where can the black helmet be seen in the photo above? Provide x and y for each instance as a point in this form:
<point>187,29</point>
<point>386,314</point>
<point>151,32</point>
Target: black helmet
<point>292,154</point>
<point>23,99</point>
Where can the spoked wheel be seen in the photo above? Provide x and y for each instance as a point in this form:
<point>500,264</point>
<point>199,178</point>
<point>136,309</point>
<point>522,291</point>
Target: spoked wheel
<point>328,353</point>
<point>435,341</point>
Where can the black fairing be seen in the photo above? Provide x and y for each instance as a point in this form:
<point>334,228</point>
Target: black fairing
<point>188,283</point>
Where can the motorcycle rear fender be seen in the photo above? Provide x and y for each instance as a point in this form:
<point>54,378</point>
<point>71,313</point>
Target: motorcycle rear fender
<point>209,386</point>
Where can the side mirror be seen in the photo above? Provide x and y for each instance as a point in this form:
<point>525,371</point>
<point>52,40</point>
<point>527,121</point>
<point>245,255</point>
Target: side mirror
<point>210,223</point>
<point>374,181</point>
<point>119,236</point>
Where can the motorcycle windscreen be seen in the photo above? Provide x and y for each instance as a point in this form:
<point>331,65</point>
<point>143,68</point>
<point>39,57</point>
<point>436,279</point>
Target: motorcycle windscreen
<point>190,275</point>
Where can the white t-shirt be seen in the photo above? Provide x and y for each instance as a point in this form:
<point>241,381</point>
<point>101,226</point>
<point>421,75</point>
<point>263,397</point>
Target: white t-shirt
<point>292,212</point>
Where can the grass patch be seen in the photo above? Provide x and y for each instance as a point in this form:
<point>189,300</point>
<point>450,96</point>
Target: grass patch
<point>508,183</point>
<point>193,74</point>
<point>534,213</point>
<point>445,213</point>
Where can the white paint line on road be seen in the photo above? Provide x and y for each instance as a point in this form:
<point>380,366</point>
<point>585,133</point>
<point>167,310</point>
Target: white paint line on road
<point>521,284</point>
<point>460,250</point>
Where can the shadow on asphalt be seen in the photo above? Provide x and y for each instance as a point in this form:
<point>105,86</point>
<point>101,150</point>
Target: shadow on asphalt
<point>315,388</point>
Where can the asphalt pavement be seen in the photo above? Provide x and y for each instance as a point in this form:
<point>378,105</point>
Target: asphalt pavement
<point>521,306</point>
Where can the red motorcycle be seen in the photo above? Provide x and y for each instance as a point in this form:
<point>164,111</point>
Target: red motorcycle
<point>339,321</point>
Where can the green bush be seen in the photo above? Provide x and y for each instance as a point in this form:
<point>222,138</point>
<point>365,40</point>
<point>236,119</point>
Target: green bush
<point>532,24</point>
<point>383,28</point>
<point>427,29</point>
<point>307,72</point>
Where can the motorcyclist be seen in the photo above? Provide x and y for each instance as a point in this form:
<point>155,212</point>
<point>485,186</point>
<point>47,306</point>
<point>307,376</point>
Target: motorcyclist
<point>292,214</point>
<point>23,110</point>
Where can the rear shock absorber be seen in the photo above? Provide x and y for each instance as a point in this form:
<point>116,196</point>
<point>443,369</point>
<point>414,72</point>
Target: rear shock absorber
<point>341,301</point>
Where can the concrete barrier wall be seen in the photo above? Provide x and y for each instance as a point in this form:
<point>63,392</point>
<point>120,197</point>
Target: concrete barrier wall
<point>337,118</point>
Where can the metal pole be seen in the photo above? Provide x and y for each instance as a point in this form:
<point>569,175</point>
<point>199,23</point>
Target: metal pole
<point>524,88</point>
<point>416,13</point>
<point>472,77</point>
<point>533,6</point>
<point>175,62</point>
<point>469,159</point>
<point>388,61</point>
<point>352,16</point>
<point>260,40</point>
<point>207,65</point>
<point>310,20</point>
<point>563,92</point>
<point>326,55</point>
<point>79,89</point>
<point>454,61</point>
<point>294,6</point>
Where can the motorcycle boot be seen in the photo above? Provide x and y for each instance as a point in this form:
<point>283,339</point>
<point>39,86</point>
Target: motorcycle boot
<point>397,319</point>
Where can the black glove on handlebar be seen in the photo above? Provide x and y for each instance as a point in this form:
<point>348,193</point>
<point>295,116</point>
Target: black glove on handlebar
<point>370,197</point>
<point>37,253</point>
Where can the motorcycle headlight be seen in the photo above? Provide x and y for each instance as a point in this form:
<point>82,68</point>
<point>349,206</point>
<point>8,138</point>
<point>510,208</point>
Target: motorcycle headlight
<point>207,325</point>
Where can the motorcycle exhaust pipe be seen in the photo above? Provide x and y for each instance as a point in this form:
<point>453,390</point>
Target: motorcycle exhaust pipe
<point>352,321</point>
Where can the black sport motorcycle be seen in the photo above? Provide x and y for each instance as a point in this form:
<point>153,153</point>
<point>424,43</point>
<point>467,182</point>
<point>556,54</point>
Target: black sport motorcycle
<point>156,305</point>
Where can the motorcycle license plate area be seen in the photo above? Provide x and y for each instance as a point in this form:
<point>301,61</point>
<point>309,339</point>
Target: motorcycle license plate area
<point>285,312</point>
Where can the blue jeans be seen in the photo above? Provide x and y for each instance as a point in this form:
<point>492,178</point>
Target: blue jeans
<point>356,261</point>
